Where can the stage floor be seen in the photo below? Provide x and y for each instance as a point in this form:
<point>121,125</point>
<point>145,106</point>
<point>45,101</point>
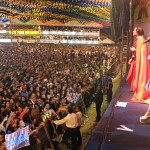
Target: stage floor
<point>119,128</point>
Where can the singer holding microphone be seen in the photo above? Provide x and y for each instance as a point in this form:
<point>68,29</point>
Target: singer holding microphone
<point>142,68</point>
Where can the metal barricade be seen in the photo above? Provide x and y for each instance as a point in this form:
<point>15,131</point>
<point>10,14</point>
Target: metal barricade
<point>42,138</point>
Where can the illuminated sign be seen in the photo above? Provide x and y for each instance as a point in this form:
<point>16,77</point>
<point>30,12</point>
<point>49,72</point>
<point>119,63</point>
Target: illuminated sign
<point>45,32</point>
<point>2,31</point>
<point>21,32</point>
<point>26,32</point>
<point>5,40</point>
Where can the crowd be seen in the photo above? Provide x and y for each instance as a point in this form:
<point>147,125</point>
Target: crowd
<point>38,82</point>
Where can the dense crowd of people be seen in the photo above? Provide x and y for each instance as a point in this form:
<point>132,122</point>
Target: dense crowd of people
<point>38,82</point>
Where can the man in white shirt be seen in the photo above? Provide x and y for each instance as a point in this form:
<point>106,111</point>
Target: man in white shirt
<point>71,123</point>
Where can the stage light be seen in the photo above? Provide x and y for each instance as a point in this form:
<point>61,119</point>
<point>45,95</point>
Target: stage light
<point>89,42</point>
<point>63,41</point>
<point>53,32</point>
<point>5,40</point>
<point>70,41</point>
<point>45,32</point>
<point>72,33</point>
<point>59,32</point>
<point>2,31</point>
<point>83,41</point>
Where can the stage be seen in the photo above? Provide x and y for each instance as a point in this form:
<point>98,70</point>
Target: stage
<point>119,128</point>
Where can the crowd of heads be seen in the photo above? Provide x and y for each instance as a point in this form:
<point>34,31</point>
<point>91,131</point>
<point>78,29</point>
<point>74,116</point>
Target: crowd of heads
<point>38,81</point>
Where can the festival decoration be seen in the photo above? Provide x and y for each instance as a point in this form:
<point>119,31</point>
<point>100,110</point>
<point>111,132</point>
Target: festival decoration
<point>64,11</point>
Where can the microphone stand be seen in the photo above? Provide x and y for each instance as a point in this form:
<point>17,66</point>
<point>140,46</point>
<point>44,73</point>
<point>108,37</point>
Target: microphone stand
<point>147,40</point>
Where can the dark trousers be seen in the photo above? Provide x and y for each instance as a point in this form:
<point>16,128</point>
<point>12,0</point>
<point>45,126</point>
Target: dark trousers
<point>109,97</point>
<point>98,112</point>
<point>70,133</point>
<point>79,137</point>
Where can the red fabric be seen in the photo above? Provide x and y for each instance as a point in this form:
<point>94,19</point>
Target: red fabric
<point>131,75</point>
<point>142,72</point>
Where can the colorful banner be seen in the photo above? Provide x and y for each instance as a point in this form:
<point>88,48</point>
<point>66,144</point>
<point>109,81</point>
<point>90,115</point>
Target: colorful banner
<point>18,139</point>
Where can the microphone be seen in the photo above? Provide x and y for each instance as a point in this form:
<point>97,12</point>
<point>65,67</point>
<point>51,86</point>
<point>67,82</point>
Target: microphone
<point>147,40</point>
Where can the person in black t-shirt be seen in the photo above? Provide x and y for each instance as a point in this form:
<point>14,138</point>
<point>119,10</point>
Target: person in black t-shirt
<point>109,90</point>
<point>98,101</point>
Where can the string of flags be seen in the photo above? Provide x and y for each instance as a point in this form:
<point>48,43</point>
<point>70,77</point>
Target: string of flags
<point>62,10</point>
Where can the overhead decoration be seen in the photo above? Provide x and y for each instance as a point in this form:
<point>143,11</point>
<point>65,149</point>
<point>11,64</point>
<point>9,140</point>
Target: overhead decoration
<point>24,19</point>
<point>93,24</point>
<point>64,11</point>
<point>54,22</point>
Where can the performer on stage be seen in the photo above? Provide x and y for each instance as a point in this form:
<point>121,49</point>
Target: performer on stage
<point>142,68</point>
<point>144,118</point>
<point>132,63</point>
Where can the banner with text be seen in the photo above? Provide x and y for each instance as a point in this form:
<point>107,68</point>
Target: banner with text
<point>18,139</point>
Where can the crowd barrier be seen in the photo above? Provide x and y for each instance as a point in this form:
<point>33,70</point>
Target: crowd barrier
<point>44,137</point>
